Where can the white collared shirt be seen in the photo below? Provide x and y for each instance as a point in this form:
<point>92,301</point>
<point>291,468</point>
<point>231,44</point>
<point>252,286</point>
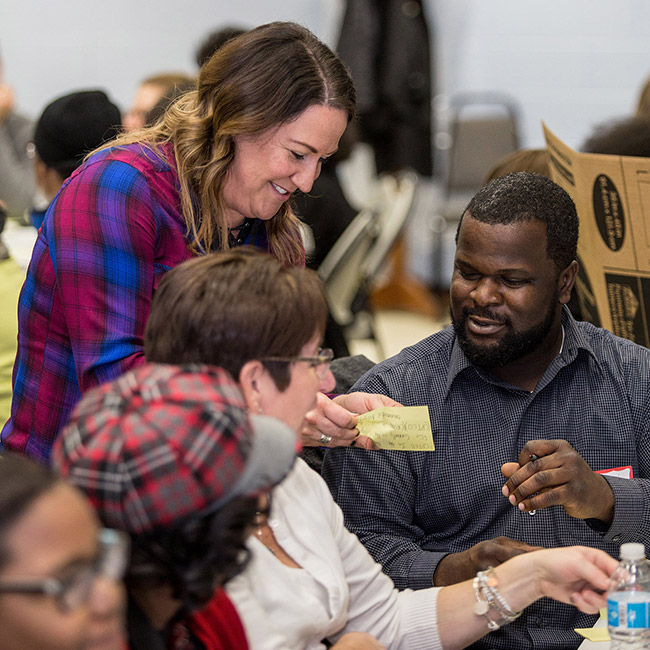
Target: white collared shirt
<point>339,588</point>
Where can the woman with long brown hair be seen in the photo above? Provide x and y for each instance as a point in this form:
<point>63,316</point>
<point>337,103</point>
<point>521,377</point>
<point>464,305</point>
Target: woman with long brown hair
<point>217,171</point>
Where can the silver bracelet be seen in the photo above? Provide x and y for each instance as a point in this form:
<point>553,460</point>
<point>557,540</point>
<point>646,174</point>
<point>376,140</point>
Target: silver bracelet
<point>488,597</point>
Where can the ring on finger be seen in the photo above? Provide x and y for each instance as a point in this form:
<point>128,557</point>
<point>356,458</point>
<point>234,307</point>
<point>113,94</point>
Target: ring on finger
<point>325,439</point>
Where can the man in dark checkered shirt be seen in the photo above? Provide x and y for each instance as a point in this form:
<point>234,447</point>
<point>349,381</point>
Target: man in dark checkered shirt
<point>516,388</point>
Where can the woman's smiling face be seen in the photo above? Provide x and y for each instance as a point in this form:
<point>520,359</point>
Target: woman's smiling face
<point>268,167</point>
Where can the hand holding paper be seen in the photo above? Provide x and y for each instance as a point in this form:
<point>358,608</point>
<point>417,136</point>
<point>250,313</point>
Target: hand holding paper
<point>406,428</point>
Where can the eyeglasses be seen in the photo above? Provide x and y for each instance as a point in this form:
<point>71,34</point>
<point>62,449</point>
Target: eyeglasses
<point>74,590</point>
<point>321,362</point>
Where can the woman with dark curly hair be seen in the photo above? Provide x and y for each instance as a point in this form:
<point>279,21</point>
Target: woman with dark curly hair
<point>217,171</point>
<point>169,455</point>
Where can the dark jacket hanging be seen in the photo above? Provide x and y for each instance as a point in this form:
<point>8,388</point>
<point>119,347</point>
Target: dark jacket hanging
<point>385,43</point>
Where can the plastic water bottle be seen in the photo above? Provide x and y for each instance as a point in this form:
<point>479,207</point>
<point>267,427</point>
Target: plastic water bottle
<point>628,600</point>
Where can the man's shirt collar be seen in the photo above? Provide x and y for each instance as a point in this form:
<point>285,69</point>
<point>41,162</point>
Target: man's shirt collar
<point>574,341</point>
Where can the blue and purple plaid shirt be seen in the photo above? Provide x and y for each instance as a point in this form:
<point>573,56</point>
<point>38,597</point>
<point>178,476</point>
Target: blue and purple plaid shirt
<point>109,236</point>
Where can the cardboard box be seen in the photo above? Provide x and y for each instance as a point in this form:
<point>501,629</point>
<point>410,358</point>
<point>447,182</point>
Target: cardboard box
<point>612,196</point>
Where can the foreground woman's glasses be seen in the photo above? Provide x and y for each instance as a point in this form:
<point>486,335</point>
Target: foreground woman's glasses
<point>321,362</point>
<point>73,590</point>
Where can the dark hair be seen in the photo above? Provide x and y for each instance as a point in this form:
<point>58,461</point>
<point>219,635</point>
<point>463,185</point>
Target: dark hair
<point>625,137</point>
<point>523,196</point>
<point>22,481</point>
<point>213,41</point>
<point>71,126</point>
<point>226,309</point>
<point>196,556</point>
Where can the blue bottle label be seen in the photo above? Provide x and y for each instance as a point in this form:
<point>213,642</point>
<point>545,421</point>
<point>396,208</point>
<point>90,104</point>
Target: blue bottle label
<point>628,610</point>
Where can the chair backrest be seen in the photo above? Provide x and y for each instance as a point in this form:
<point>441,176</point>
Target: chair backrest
<point>342,269</point>
<point>483,129</point>
<point>394,203</point>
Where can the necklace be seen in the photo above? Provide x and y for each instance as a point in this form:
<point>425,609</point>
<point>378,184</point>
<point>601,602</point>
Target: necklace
<point>238,226</point>
<point>238,234</point>
<point>262,519</point>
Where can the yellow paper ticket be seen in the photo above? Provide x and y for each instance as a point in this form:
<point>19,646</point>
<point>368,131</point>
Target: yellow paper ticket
<point>594,633</point>
<point>406,428</point>
<point>599,631</point>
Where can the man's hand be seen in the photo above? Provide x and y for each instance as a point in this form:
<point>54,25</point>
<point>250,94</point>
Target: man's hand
<point>457,567</point>
<point>558,477</point>
<point>337,418</point>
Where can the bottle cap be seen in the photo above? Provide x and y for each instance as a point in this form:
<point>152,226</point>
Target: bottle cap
<point>632,551</point>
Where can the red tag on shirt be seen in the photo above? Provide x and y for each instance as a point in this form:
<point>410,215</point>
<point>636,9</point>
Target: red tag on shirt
<point>621,472</point>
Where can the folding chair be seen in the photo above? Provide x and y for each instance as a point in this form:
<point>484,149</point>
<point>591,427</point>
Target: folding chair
<point>482,129</point>
<point>342,269</point>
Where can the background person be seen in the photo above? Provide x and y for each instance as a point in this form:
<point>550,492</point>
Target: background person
<point>16,174</point>
<point>157,110</point>
<point>628,136</point>
<point>309,578</point>
<point>17,183</point>
<point>59,573</point>
<point>522,160</point>
<point>152,90</point>
<point>70,127</point>
<point>218,171</point>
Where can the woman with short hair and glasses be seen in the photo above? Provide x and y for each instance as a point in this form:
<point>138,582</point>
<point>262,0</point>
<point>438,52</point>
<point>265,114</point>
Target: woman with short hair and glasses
<point>310,582</point>
<point>59,571</point>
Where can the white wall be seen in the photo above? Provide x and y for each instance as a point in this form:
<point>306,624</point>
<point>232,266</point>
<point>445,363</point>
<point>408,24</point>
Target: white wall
<point>50,47</point>
<point>572,63</point>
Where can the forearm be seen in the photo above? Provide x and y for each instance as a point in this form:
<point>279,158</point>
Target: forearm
<point>578,575</point>
<point>459,625</point>
<point>400,619</point>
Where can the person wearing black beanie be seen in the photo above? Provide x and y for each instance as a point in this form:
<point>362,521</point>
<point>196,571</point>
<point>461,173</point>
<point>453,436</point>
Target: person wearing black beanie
<point>69,128</point>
